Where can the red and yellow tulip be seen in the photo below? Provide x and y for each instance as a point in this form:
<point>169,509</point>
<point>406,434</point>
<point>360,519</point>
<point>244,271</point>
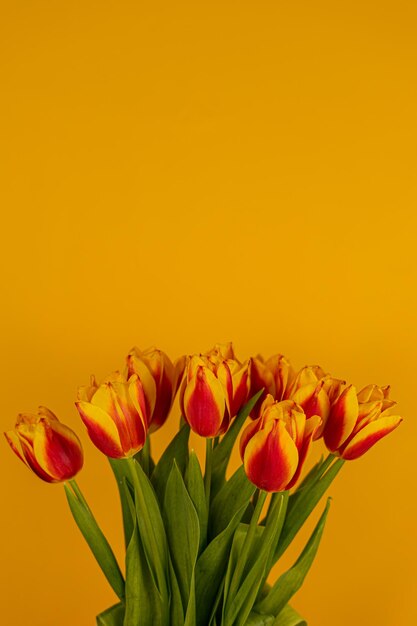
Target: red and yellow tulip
<point>48,447</point>
<point>162,371</point>
<point>260,377</point>
<point>373,422</point>
<point>206,396</point>
<point>283,374</point>
<point>116,414</point>
<point>275,446</point>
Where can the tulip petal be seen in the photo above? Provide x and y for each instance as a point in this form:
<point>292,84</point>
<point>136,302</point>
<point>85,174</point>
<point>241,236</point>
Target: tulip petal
<point>271,457</point>
<point>57,450</point>
<point>342,419</point>
<point>14,442</point>
<point>101,429</point>
<point>369,435</point>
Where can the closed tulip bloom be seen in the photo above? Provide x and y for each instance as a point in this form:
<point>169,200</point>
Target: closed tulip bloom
<point>373,422</point>
<point>163,374</point>
<point>274,447</point>
<point>115,414</point>
<point>48,447</point>
<point>261,377</point>
<point>283,374</point>
<point>204,397</point>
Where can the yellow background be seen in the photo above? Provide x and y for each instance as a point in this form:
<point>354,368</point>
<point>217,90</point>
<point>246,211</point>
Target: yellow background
<point>181,173</point>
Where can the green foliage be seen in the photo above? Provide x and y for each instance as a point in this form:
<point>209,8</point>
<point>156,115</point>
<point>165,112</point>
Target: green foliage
<point>191,561</point>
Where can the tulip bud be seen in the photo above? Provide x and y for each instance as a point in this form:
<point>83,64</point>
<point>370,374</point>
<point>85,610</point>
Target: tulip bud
<point>283,374</point>
<point>204,399</point>
<point>241,385</point>
<point>274,447</point>
<point>260,377</point>
<point>116,415</point>
<point>49,448</point>
<point>163,374</point>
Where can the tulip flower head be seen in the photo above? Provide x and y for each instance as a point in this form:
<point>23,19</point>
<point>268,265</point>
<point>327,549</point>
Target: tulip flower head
<point>275,446</point>
<point>162,371</point>
<point>48,447</point>
<point>373,421</point>
<point>206,395</point>
<point>116,414</point>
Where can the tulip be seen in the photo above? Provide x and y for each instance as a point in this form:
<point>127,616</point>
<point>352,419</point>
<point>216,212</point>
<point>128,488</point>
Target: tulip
<point>48,447</point>
<point>223,351</point>
<point>163,374</point>
<point>260,377</point>
<point>206,395</point>
<point>283,374</point>
<point>115,414</point>
<point>372,424</point>
<point>275,446</point>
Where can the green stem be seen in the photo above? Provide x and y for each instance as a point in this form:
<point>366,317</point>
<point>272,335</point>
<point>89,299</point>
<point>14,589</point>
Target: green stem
<point>326,463</point>
<point>144,456</point>
<point>79,493</point>
<point>247,544</point>
<point>207,470</point>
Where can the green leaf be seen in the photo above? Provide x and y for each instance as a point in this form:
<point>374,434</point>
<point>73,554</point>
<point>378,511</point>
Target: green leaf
<point>143,601</point>
<point>176,610</point>
<point>151,528</point>
<point>210,569</point>
<point>97,542</point>
<point>235,493</point>
<point>222,452</point>
<point>289,617</point>
<point>183,532</point>
<point>239,605</point>
<point>113,616</point>
<point>178,451</point>
<point>122,474</point>
<point>301,504</point>
<point>195,485</point>
<point>290,582</point>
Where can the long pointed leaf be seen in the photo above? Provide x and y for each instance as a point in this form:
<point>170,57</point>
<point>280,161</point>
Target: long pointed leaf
<point>178,451</point>
<point>97,542</point>
<point>195,486</point>
<point>183,532</point>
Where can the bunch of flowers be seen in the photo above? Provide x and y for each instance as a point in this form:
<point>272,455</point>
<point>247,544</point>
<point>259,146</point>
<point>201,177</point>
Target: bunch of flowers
<point>200,545</point>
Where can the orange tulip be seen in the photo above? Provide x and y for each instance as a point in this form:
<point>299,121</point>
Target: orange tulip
<point>49,448</point>
<point>163,373</point>
<point>115,414</point>
<point>275,446</point>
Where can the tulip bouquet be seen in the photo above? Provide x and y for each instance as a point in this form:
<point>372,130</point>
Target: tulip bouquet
<point>200,544</point>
